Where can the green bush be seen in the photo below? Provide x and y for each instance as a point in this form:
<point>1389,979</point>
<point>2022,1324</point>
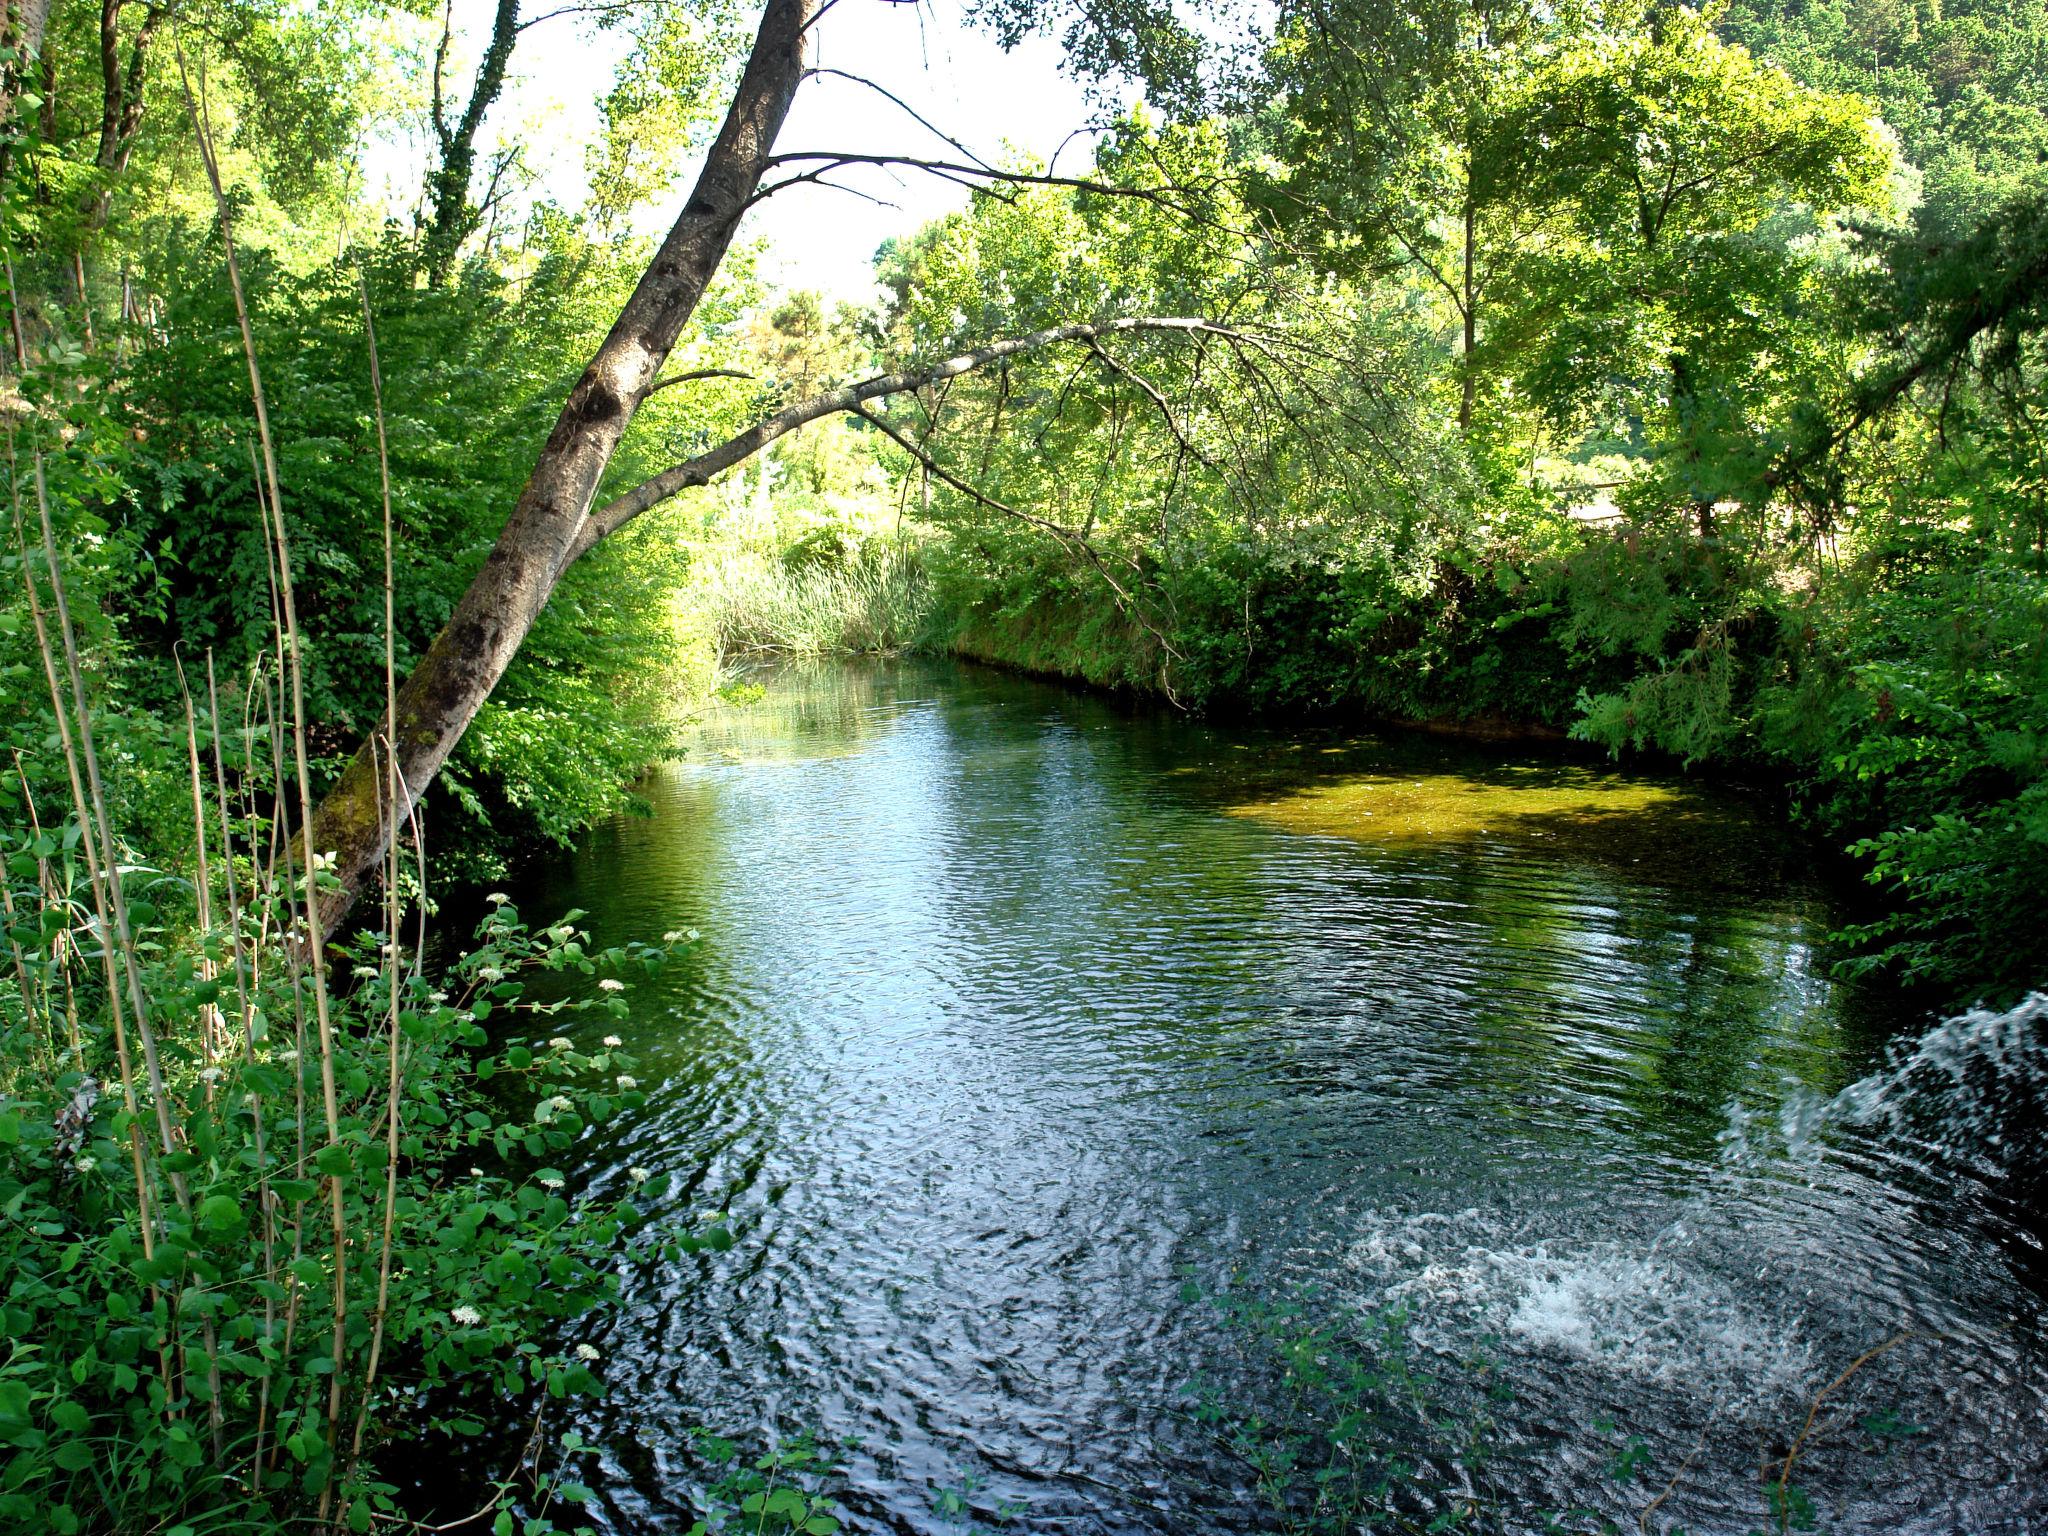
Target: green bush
<point>171,1351</point>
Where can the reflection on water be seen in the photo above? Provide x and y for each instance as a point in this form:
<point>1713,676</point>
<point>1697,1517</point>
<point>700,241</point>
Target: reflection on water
<point>1012,1010</point>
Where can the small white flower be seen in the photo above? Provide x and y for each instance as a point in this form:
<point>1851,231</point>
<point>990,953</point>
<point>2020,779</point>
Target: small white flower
<point>469,1317</point>
<point>490,973</point>
<point>210,1075</point>
<point>368,972</point>
<point>323,861</point>
<point>437,998</point>
<point>561,1043</point>
<point>561,933</point>
<point>673,936</point>
<point>547,1109</point>
<point>639,1175</point>
<point>611,984</point>
<point>628,1082</point>
<point>612,1042</point>
<point>291,1055</point>
<point>586,1352</point>
<point>476,1173</point>
<point>86,1163</point>
<point>497,898</point>
<point>550,1182</point>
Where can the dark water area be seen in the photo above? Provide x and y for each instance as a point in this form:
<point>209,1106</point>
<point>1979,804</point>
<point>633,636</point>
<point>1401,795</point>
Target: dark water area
<point>1021,1026</point>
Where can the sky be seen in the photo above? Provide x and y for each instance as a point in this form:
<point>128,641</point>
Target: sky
<point>951,73</point>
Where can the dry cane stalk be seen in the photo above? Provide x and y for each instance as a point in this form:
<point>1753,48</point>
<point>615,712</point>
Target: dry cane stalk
<point>110,862</point>
<point>210,1026</point>
<point>316,947</point>
<point>28,997</point>
<point>244,961</point>
<point>391,808</point>
<point>146,1217</point>
<point>61,941</point>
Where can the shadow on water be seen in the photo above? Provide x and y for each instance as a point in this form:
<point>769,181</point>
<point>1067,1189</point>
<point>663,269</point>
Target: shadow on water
<point>1016,1012</point>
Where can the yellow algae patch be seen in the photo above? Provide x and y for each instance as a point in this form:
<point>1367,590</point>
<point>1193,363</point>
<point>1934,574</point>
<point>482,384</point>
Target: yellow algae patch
<point>1510,804</point>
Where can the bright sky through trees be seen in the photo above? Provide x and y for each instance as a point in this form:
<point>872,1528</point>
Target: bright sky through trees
<point>926,54</point>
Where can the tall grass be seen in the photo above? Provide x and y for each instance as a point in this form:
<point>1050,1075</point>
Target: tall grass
<point>877,601</point>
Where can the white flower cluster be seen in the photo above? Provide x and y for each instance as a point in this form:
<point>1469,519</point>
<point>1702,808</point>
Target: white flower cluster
<point>628,1082</point>
<point>612,1042</point>
<point>469,1317</point>
<point>587,1352</point>
<point>611,984</point>
<point>547,1109</point>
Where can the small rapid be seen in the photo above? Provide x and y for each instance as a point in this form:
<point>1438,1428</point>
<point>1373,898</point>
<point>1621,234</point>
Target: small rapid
<point>1032,1048</point>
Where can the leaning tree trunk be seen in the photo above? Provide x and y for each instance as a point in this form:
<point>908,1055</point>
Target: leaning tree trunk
<point>541,536</point>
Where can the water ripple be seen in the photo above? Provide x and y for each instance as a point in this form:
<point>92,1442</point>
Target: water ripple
<point>1011,1012</point>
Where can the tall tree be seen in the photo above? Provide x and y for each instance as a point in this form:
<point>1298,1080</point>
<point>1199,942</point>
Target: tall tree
<point>556,519</point>
<point>452,215</point>
<point>1693,186</point>
<point>1391,137</point>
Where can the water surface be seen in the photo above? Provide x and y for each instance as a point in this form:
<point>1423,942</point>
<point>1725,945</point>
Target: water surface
<point>1015,1013</point>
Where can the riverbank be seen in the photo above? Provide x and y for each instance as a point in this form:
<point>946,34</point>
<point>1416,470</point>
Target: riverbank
<point>1893,716</point>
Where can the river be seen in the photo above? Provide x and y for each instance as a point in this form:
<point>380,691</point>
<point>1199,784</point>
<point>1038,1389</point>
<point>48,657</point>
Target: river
<point>1058,1066</point>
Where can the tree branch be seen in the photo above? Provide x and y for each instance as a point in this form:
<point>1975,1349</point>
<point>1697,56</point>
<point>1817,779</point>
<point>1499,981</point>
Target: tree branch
<point>702,469</point>
<point>693,376</point>
<point>1072,538</point>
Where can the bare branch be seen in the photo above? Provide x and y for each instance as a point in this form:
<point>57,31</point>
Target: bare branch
<point>706,466</point>
<point>692,377</point>
<point>1174,198</point>
<point>821,73</point>
<point>1074,539</point>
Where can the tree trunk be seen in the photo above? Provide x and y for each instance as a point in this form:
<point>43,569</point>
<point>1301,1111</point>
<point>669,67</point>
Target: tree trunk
<point>22,26</point>
<point>541,536</point>
<point>121,104</point>
<point>452,218</point>
<point>1469,382</point>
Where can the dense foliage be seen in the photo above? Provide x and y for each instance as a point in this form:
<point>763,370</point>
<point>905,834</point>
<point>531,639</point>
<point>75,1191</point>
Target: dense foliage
<point>1610,375</point>
<point>1668,378</point>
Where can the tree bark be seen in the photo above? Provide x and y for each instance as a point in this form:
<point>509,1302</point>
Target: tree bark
<point>541,536</point>
<point>121,104</point>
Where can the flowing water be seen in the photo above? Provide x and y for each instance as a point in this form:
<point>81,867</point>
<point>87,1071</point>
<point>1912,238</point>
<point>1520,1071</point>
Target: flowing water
<point>1021,1027</point>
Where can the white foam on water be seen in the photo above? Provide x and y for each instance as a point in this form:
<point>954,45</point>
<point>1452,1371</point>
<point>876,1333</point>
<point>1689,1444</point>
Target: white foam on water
<point>1632,1314</point>
<point>1964,1087</point>
<point>1655,1321</point>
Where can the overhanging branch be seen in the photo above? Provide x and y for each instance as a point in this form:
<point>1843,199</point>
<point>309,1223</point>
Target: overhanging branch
<point>706,466</point>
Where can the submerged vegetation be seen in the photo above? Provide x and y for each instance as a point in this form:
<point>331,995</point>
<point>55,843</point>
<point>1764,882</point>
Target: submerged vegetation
<point>1669,378</point>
